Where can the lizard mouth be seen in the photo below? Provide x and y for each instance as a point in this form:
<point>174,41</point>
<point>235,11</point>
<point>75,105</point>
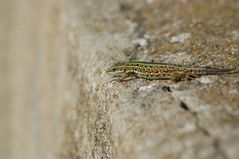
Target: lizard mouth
<point>116,73</point>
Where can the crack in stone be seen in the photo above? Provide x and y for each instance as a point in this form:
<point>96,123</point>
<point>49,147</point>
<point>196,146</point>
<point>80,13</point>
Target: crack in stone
<point>184,106</point>
<point>216,144</point>
<point>199,127</point>
<point>166,89</point>
<point>219,150</point>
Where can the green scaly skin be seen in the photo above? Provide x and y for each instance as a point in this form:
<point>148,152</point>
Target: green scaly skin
<point>161,71</point>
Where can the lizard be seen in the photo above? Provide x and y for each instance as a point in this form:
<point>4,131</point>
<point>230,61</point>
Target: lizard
<point>161,71</point>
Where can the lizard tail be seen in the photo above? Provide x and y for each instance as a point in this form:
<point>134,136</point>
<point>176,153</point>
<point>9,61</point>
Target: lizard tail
<point>218,71</point>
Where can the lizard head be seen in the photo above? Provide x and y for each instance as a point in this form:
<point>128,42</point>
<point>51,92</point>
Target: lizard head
<point>116,70</point>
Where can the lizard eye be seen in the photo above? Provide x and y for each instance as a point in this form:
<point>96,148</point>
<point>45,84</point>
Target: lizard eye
<point>114,69</point>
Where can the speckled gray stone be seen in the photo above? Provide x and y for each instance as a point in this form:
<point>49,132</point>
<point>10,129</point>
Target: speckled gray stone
<point>151,119</point>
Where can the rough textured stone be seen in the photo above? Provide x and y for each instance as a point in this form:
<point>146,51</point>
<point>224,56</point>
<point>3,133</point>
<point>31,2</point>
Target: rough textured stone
<point>152,119</point>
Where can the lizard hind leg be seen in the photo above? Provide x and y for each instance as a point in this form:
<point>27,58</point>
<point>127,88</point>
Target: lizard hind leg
<point>191,77</point>
<point>178,77</point>
<point>184,77</point>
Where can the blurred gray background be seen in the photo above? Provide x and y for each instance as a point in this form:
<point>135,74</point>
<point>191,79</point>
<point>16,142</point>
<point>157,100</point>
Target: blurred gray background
<point>31,73</point>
